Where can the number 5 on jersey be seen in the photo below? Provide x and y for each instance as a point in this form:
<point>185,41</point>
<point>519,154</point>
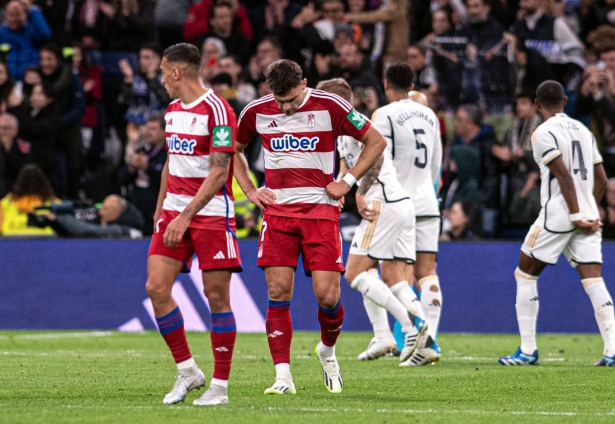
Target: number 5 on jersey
<point>420,146</point>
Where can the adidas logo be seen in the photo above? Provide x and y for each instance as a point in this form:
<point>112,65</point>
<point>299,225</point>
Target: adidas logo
<point>221,349</point>
<point>275,334</point>
<point>335,330</point>
<point>339,260</point>
<point>534,299</point>
<point>219,255</point>
<point>609,303</point>
<point>273,124</point>
<point>354,244</point>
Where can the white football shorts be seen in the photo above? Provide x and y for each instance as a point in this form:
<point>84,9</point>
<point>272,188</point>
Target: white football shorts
<point>427,235</point>
<point>391,235</point>
<point>577,247</point>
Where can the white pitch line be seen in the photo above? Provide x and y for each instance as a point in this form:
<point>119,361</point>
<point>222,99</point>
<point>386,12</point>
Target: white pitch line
<point>64,335</point>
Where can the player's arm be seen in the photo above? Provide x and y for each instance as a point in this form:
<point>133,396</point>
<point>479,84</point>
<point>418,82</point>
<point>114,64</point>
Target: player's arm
<point>241,171</point>
<point>162,193</point>
<point>600,182</point>
<point>368,180</point>
<point>436,161</point>
<point>566,184</point>
<point>374,146</point>
<point>219,163</point>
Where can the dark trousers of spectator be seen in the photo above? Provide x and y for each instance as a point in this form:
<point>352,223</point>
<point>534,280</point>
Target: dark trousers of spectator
<point>70,145</point>
<point>609,164</point>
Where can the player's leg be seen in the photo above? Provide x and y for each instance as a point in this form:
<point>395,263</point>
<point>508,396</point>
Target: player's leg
<point>223,333</point>
<point>527,304</point>
<point>376,297</point>
<point>161,274</point>
<point>326,285</point>
<point>428,284</point>
<point>279,326</point>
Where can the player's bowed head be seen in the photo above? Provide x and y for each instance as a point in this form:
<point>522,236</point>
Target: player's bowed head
<point>180,72</point>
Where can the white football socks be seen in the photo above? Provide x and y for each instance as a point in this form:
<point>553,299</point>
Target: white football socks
<point>431,302</point>
<point>407,297</point>
<point>283,371</point>
<point>527,309</point>
<point>372,287</point>
<point>603,311</point>
<point>379,320</point>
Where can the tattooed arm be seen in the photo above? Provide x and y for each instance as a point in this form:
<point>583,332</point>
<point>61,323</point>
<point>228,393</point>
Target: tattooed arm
<point>219,163</point>
<point>368,180</point>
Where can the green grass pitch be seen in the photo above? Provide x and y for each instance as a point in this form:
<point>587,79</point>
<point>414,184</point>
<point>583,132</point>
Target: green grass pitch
<point>111,377</point>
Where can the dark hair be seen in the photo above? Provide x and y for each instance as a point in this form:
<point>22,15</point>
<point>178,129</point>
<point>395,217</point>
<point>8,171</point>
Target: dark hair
<point>526,93</point>
<point>474,113</point>
<point>155,47</point>
<point>399,76</point>
<point>447,10</point>
<point>283,75</point>
<point>550,94</point>
<point>7,87</point>
<point>218,5</point>
<point>222,78</point>
<point>471,211</point>
<point>337,86</point>
<point>31,180</point>
<point>159,119</point>
<point>275,42</point>
<point>84,66</point>
<point>420,47</point>
<point>184,53</point>
<point>233,57</point>
<point>52,47</point>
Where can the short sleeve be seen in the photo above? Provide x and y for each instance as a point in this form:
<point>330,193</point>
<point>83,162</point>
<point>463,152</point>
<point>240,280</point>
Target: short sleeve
<point>383,124</point>
<point>545,146</point>
<point>596,157</point>
<point>346,119</point>
<point>223,130</point>
<point>246,128</point>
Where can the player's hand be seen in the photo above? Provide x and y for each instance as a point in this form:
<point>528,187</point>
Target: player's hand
<point>341,202</point>
<point>337,189</point>
<point>365,211</point>
<point>175,231</point>
<point>588,227</point>
<point>261,197</point>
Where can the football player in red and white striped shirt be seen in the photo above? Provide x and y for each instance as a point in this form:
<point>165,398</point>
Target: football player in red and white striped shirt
<point>195,214</point>
<point>298,127</point>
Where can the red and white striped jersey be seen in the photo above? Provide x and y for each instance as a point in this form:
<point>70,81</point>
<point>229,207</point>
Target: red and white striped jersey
<point>299,150</point>
<point>193,131</point>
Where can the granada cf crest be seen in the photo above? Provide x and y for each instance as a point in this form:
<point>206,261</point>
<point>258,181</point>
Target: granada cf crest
<point>311,120</point>
<point>193,124</point>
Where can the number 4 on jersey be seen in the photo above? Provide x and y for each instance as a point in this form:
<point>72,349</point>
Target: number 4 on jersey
<point>582,170</point>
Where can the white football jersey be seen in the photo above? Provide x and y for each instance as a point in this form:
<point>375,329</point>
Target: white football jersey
<point>562,136</point>
<point>412,132</point>
<point>386,188</point>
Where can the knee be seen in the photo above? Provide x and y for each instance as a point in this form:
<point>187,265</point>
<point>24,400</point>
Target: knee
<point>156,290</point>
<point>279,290</point>
<point>328,299</point>
<point>219,300</point>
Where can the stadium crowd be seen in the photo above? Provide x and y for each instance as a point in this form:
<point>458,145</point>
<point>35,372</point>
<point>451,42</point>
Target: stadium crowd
<point>81,93</point>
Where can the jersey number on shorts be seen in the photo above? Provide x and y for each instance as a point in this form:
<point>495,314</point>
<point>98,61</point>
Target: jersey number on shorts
<point>576,146</point>
<point>263,229</point>
<point>420,146</point>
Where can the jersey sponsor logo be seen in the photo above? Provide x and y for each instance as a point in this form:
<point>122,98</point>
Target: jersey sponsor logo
<point>289,142</point>
<point>356,119</point>
<point>180,145</point>
<point>222,136</point>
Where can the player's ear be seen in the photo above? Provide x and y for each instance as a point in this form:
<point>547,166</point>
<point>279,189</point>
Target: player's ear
<point>303,83</point>
<point>565,101</point>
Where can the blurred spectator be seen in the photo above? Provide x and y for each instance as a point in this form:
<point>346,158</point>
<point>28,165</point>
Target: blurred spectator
<point>424,76</point>
<point>531,68</point>
<point>143,93</point>
<point>488,74</point>
<point>169,17</point>
<point>368,92</point>
<point>91,79</point>
<point>197,20</point>
<point>116,218</point>
<point>140,176</point>
<point>14,152</point>
<point>464,166</point>
<point>597,96</point>
<point>65,88</point>
<point>57,14</point>
<point>274,18</point>
<point>246,212</point>
<point>395,15</point>
<point>593,14</point>
<point>38,125</point>
<point>331,13</point>
<point>522,173</point>
<point>607,211</point>
<point>32,189</point>
<point>461,223</point>
<point>222,27</point>
<point>126,30</point>
<point>31,77</point>
<point>245,92</point>
<point>24,31</point>
<point>222,86</point>
<point>89,22</point>
<point>267,51</point>
<point>472,132</point>
<point>9,91</point>
<point>213,48</point>
<point>369,37</point>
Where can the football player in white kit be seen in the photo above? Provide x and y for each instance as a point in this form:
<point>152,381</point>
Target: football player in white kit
<point>412,132</point>
<point>385,235</point>
<point>573,182</point>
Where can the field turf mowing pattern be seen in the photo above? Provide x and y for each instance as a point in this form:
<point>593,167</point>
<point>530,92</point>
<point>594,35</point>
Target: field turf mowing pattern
<point>112,377</point>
